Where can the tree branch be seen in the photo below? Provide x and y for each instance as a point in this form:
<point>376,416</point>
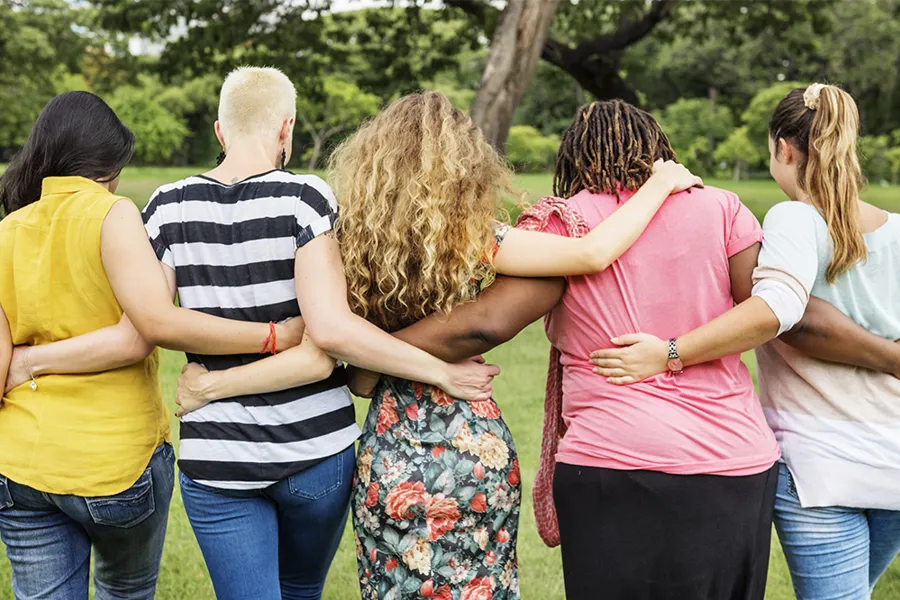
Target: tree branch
<point>476,8</point>
<point>627,34</point>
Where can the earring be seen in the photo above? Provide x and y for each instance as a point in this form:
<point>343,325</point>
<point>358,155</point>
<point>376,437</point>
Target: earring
<point>220,158</point>
<point>283,158</point>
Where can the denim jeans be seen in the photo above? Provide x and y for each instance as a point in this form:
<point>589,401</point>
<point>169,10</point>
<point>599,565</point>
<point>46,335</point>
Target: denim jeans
<point>275,543</point>
<point>834,553</point>
<point>49,537</point>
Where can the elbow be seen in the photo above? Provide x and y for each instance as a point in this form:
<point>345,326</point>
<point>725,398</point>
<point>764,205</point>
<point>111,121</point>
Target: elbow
<point>596,261</point>
<point>156,331</point>
<point>322,367</point>
<point>138,350</point>
<point>491,336</point>
<point>331,341</point>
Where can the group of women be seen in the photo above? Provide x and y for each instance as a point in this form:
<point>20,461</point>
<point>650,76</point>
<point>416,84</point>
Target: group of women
<point>661,472</point>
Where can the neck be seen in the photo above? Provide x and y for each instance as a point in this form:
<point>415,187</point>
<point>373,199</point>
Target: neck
<point>244,158</point>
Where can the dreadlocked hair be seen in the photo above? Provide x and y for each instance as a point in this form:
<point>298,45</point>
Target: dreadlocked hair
<point>611,145</point>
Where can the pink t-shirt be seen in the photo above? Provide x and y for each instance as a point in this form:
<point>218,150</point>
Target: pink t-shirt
<point>674,279</point>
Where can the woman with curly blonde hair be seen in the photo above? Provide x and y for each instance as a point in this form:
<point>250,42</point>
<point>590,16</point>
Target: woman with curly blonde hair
<point>436,500</point>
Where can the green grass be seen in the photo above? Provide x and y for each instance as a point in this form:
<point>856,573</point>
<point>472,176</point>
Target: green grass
<point>520,393</point>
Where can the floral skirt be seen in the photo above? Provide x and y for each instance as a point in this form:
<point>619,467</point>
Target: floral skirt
<point>436,498</point>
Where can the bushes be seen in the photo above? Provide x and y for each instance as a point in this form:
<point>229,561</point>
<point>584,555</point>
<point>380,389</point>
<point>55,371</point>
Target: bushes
<point>529,151</point>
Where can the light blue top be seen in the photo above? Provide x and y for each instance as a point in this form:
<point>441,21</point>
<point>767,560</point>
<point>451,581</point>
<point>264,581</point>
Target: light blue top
<point>797,239</point>
<point>838,426</point>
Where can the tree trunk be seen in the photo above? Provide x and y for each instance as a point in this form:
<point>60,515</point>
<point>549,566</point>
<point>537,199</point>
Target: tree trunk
<point>515,50</point>
<point>318,142</point>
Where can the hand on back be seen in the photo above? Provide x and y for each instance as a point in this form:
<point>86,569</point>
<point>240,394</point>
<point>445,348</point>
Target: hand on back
<point>676,175</point>
<point>638,357</point>
<point>470,380</point>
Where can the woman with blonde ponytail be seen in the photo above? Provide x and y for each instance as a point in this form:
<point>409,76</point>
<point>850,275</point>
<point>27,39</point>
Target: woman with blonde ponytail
<point>837,509</point>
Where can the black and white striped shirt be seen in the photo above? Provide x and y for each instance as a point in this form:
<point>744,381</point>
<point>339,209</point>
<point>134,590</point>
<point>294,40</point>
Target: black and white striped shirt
<point>232,248</point>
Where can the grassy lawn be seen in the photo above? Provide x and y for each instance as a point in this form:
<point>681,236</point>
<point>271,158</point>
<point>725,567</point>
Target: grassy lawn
<point>519,392</point>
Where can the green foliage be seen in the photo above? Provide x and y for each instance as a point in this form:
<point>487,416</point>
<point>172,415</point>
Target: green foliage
<point>760,110</point>
<point>893,159</point>
<point>338,107</point>
<point>738,152</point>
<point>695,127</point>
<point>873,155</point>
<point>529,150</point>
<point>39,49</point>
<point>551,101</point>
<point>159,133</point>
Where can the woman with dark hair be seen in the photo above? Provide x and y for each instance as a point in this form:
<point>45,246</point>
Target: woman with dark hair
<point>85,463</point>
<point>266,469</point>
<point>838,499</point>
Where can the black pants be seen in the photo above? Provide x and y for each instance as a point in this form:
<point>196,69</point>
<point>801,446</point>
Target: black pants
<point>645,535</point>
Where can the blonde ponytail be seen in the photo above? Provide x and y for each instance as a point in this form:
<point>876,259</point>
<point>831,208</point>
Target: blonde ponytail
<point>823,123</point>
<point>834,179</point>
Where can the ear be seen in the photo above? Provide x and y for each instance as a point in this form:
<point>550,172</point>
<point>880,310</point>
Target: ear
<point>219,135</point>
<point>287,130</point>
<point>787,151</point>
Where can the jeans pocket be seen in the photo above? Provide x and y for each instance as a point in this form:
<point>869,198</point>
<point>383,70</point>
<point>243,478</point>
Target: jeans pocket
<point>319,480</point>
<point>128,509</point>
<point>5,495</point>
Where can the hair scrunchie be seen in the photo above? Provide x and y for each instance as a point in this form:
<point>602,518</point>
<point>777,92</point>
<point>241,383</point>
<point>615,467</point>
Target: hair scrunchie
<point>811,95</point>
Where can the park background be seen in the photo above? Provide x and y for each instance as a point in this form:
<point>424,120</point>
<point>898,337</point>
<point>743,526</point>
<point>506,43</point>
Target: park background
<point>710,70</point>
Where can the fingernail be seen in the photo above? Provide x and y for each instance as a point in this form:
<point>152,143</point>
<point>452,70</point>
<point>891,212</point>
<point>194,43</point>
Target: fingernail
<point>615,340</point>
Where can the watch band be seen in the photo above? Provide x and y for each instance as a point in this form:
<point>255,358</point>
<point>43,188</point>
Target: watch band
<point>673,349</point>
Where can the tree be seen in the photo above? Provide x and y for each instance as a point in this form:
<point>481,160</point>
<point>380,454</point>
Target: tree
<point>738,152</point>
<point>893,158</point>
<point>759,111</point>
<point>690,120</point>
<point>40,48</point>
<point>873,154</point>
<point>340,107</point>
<point>515,50</point>
<point>158,132</point>
<point>528,150</point>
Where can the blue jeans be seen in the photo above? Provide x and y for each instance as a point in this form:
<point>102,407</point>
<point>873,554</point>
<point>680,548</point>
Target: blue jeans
<point>834,553</point>
<point>276,543</point>
<point>49,537</point>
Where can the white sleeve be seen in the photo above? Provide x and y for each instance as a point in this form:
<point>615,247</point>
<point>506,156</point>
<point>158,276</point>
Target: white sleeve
<point>788,262</point>
<point>784,302</point>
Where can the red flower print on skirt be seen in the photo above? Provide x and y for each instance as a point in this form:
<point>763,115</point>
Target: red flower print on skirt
<point>441,398</point>
<point>372,498</point>
<point>401,500</point>
<point>479,503</point>
<point>486,409</point>
<point>478,589</point>
<point>514,477</point>
<point>441,515</point>
<point>387,416</point>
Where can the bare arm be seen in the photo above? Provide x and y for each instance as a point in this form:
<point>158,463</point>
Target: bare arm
<point>828,334</point>
<point>824,333</point>
<point>322,293</point>
<point>142,290</point>
<point>6,347</point>
<point>105,349</point>
<point>300,365</point>
<point>535,254</point>
<point>503,310</point>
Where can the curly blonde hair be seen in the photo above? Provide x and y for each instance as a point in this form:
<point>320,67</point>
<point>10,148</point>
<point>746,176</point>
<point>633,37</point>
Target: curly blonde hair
<point>419,190</point>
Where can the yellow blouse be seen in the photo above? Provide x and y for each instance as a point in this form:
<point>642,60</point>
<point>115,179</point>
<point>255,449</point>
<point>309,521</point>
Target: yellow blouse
<point>87,435</point>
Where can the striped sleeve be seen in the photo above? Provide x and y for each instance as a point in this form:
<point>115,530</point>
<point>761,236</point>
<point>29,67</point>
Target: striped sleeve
<point>155,231</point>
<point>316,210</point>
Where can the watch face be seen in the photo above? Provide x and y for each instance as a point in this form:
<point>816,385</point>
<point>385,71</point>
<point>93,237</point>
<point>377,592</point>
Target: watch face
<point>675,365</point>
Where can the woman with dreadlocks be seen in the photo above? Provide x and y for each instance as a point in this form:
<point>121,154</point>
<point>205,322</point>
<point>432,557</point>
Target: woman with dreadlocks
<point>481,560</point>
